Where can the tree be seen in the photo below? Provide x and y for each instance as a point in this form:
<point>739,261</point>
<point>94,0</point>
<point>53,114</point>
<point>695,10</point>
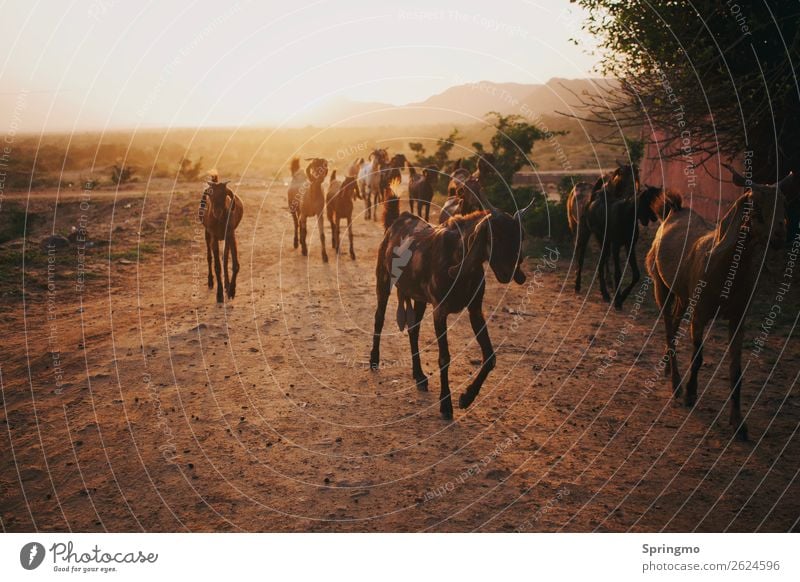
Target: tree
<point>711,77</point>
<point>512,143</point>
<point>442,154</point>
<point>188,171</point>
<point>121,173</point>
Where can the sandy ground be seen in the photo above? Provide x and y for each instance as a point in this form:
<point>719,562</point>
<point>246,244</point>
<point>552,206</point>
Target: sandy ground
<point>172,413</point>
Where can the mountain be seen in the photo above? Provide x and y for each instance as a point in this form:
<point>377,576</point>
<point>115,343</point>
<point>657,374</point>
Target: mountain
<point>466,103</point>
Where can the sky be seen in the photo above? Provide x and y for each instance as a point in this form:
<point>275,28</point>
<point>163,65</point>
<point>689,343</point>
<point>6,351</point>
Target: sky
<point>86,65</point>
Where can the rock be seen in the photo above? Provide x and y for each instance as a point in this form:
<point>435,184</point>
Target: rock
<point>55,241</point>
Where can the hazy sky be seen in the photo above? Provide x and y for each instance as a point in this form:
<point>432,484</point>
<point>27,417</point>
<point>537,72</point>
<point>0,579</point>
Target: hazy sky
<point>99,64</point>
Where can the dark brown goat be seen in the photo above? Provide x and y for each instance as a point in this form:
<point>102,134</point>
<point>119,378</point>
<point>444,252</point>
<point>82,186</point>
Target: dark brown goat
<point>306,199</point>
<point>420,189</point>
<point>443,266</point>
<point>221,212</point>
<point>465,190</point>
<point>466,198</point>
<point>339,205</point>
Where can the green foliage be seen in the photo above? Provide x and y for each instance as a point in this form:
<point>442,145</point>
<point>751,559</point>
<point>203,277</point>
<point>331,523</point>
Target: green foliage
<point>635,149</point>
<point>511,146</point>
<point>188,171</point>
<point>442,154</point>
<point>13,219</point>
<point>548,219</point>
<point>721,71</point>
<point>120,173</point>
<point>512,143</point>
<point>439,158</point>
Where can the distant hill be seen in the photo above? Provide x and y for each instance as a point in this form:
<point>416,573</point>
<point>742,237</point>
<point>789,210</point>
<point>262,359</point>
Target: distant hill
<point>459,104</point>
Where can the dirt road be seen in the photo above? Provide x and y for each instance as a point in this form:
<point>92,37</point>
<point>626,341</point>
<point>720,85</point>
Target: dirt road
<point>140,404</point>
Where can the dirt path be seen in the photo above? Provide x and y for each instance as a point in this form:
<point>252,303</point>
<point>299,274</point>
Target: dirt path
<point>174,413</point>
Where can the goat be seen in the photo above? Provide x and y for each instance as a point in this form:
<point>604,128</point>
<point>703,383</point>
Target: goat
<point>465,189</point>
<point>443,266</point>
<point>295,196</point>
<point>339,205</point>
<point>306,200</point>
<point>615,224</point>
<point>702,271</point>
<point>420,189</point>
<point>621,182</point>
<point>369,181</point>
<point>577,202</point>
<point>221,212</point>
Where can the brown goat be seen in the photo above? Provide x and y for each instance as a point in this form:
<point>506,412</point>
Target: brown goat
<point>339,205</point>
<point>443,266</point>
<point>708,272</point>
<point>420,189</point>
<point>577,202</point>
<point>221,212</point>
<point>306,200</point>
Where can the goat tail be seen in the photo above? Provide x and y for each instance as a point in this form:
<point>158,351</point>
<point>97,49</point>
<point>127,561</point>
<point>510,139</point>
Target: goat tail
<point>391,210</point>
<point>667,203</point>
<point>295,166</point>
<point>333,176</point>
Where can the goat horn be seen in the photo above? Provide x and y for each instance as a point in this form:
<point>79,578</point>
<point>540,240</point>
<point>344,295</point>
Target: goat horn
<point>785,182</point>
<point>519,214</point>
<point>738,179</point>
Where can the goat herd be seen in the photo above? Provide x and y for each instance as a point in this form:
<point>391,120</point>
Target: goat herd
<point>700,271</point>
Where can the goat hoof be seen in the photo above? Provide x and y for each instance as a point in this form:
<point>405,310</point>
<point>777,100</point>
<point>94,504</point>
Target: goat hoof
<point>618,305</point>
<point>741,433</point>
<point>447,414</point>
<point>304,252</point>
<point>374,362</point>
<point>689,400</point>
<point>464,401</point>
<point>210,283</point>
<point>296,244</point>
<point>422,383</point>
<point>353,255</point>
<point>324,258</point>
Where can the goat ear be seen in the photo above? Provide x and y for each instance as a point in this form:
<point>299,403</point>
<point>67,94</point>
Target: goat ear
<point>477,249</point>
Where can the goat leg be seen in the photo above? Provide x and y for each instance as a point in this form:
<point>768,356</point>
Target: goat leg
<point>210,260</point>
<point>635,276</point>
<point>296,227</point>
<point>580,244</point>
<point>735,325</point>
<point>350,235</point>
<point>602,272</point>
<point>321,227</point>
<point>413,336</point>
<point>226,250</point>
<point>478,322</point>
<point>382,291</point>
<point>235,267</point>
<point>696,331</point>
<point>615,248</point>
<point>303,232</point>
<point>217,269</point>
<point>440,326</point>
